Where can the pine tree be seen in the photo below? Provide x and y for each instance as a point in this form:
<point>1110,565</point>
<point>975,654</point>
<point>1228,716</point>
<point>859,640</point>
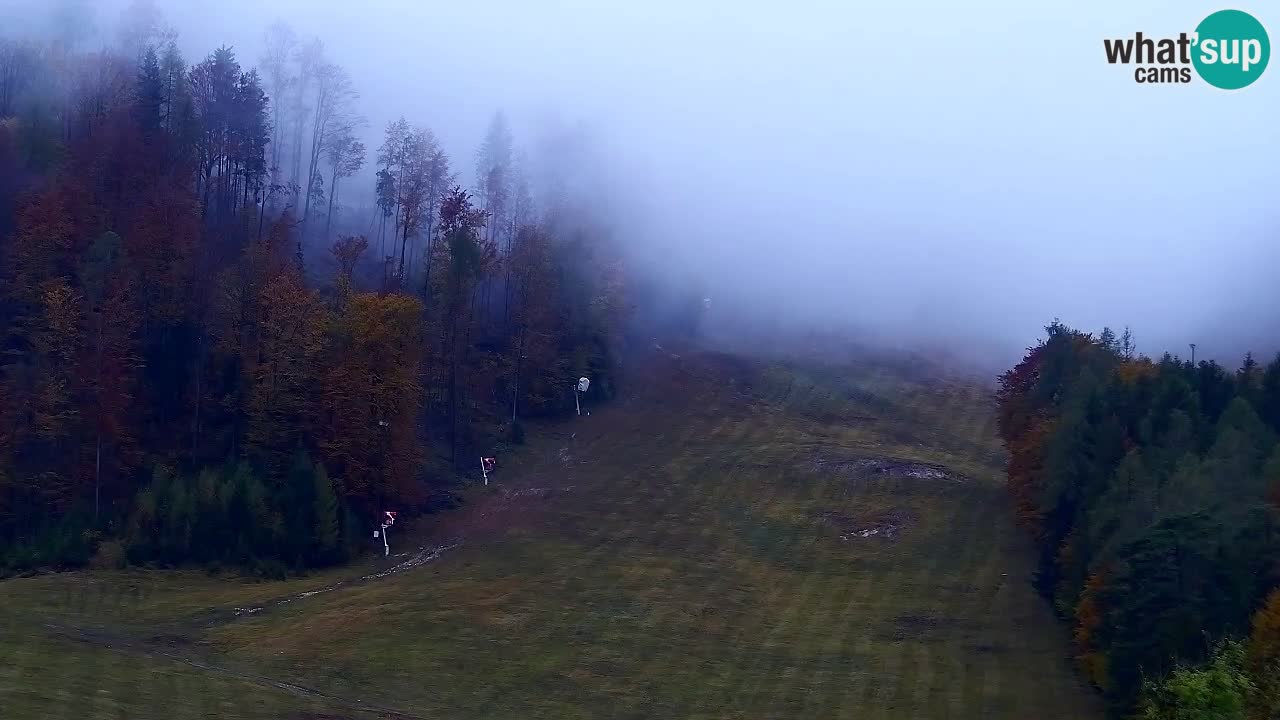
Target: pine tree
<point>1108,340</point>
<point>493,170</point>
<point>1269,394</point>
<point>325,534</point>
<point>176,110</point>
<point>1271,476</point>
<point>149,95</point>
<point>297,503</point>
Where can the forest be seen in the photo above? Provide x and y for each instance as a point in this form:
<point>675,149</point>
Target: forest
<point>1152,490</point>
<point>206,356</point>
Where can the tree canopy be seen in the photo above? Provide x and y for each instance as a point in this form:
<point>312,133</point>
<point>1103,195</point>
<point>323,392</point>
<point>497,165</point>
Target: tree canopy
<point>1149,487</point>
<point>193,365</point>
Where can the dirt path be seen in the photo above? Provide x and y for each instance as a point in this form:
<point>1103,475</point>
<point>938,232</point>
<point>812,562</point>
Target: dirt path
<point>130,646</point>
<point>174,644</point>
<point>417,559</point>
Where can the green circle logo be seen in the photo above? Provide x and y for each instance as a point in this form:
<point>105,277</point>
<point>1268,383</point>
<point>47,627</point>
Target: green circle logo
<point>1232,49</point>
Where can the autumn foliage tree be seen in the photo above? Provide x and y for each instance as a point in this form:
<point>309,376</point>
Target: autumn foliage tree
<point>375,395</point>
<point>1264,658</point>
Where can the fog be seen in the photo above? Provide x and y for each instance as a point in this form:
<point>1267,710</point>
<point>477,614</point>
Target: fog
<point>951,174</point>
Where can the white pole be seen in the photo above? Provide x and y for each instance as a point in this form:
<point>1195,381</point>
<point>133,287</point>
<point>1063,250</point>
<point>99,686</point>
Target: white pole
<point>484,472</point>
<point>575,400</point>
<point>386,549</point>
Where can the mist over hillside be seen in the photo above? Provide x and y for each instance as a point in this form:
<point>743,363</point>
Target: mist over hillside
<point>803,166</point>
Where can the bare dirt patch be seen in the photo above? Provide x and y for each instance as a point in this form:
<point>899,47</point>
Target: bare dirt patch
<point>912,627</point>
<point>990,648</point>
<point>886,524</point>
<point>171,640</point>
<point>915,628</point>
<point>889,467</point>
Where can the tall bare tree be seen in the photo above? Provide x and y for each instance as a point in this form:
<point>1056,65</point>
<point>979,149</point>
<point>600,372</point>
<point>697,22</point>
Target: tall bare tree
<point>520,212</point>
<point>415,199</point>
<point>346,156</point>
<point>308,58</point>
<point>333,98</point>
<point>281,44</point>
<point>385,190</point>
<point>391,159</point>
<point>439,180</point>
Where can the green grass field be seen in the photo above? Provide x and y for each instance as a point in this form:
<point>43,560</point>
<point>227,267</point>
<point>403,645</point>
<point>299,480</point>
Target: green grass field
<point>728,540</point>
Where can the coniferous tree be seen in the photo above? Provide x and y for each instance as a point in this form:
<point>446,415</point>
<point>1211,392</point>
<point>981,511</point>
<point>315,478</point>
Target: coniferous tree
<point>150,93</point>
<point>325,511</point>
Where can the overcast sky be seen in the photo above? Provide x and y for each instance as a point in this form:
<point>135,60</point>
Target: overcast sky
<point>956,171</point>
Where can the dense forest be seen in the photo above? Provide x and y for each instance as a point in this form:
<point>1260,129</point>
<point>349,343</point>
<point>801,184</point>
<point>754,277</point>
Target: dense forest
<point>206,357</point>
<point>1152,488</point>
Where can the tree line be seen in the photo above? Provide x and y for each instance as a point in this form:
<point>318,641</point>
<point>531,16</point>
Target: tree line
<point>200,361</point>
<point>1152,489</point>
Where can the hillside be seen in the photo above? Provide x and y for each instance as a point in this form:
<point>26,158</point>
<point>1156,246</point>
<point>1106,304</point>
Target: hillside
<point>728,539</point>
